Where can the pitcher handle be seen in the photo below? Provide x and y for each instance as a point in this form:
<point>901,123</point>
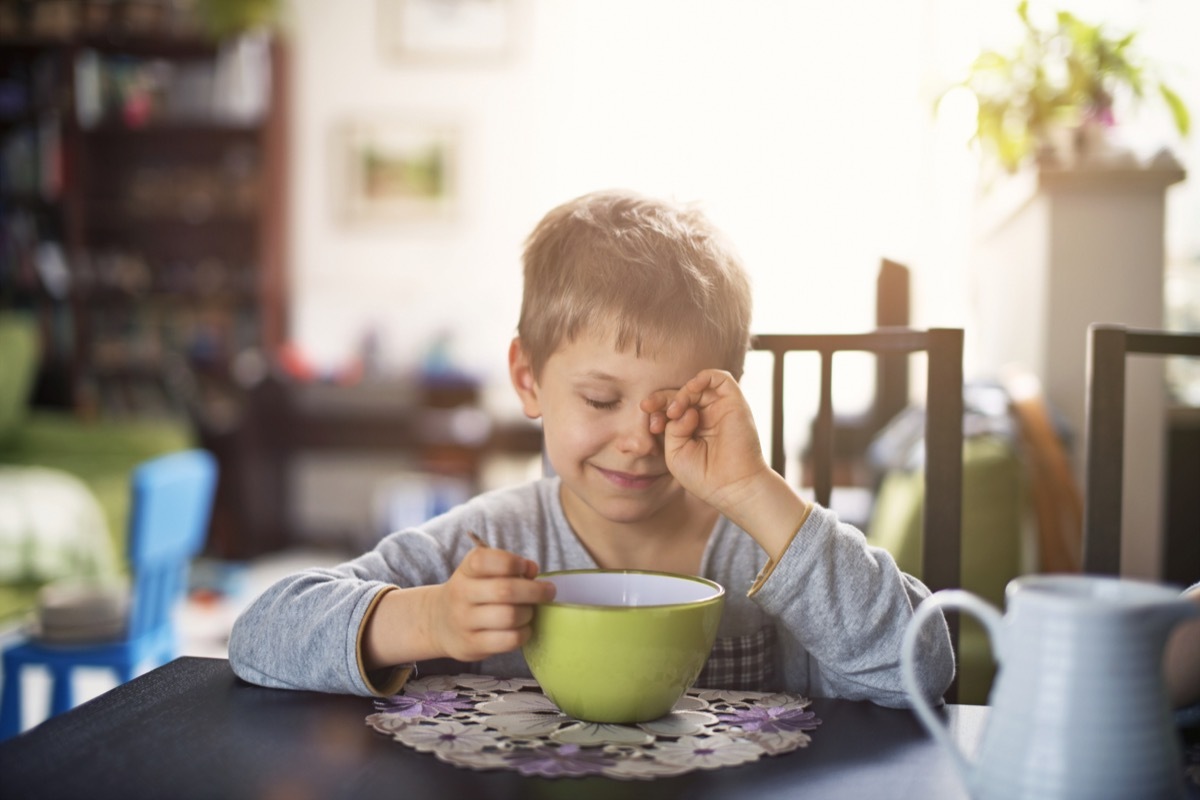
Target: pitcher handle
<point>962,601</point>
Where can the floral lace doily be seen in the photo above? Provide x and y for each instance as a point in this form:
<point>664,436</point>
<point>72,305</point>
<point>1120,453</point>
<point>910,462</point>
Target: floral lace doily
<point>483,723</point>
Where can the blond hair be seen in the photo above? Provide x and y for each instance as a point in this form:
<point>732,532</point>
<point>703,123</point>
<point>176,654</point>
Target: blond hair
<point>652,273</point>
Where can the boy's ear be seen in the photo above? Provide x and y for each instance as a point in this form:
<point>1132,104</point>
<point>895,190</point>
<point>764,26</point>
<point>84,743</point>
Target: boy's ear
<point>520,370</point>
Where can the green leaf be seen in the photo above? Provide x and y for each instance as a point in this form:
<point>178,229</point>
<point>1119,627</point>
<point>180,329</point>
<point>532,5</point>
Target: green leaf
<point>1023,13</point>
<point>226,18</point>
<point>1055,77</point>
<point>989,60</point>
<point>1183,120</point>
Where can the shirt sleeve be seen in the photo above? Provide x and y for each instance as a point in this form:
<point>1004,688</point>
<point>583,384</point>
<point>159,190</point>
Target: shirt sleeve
<point>846,604</point>
<point>769,568</point>
<point>304,632</point>
<point>387,681</point>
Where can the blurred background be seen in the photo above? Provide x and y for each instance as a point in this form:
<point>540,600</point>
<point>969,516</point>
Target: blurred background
<point>289,231</point>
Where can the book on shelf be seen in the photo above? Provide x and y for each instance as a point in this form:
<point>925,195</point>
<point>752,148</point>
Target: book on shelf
<point>231,87</point>
<point>31,161</point>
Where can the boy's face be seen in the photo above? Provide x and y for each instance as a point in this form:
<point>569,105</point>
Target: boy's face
<point>596,436</point>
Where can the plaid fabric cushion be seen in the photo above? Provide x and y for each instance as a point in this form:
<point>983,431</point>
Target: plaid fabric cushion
<point>741,662</point>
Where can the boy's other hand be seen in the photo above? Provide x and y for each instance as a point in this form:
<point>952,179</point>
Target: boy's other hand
<point>711,446</point>
<point>710,441</point>
<point>486,606</point>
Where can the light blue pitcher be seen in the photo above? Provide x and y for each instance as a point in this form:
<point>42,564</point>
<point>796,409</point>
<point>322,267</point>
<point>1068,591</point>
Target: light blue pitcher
<point>1079,706</point>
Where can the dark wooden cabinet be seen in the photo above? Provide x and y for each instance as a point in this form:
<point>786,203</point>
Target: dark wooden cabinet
<point>439,426</point>
<point>142,200</point>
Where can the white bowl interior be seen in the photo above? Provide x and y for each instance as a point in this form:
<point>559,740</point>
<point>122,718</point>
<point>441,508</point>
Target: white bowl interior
<point>628,589</point>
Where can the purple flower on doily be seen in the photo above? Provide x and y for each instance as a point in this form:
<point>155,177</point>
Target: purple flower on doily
<point>771,719</point>
<point>424,704</point>
<point>568,760</point>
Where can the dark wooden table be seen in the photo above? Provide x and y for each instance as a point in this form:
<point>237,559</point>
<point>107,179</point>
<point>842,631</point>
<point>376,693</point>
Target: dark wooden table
<point>192,729</point>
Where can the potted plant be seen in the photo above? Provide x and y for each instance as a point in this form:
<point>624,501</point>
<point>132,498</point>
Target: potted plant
<point>1059,81</point>
<point>224,19</point>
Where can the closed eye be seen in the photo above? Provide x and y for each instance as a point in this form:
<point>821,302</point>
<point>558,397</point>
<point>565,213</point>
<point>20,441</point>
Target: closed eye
<point>603,405</point>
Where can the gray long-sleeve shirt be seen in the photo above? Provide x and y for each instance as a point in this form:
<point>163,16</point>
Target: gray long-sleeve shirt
<point>828,622</point>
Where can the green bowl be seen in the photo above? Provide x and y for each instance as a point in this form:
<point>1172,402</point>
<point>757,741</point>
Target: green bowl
<point>622,646</point>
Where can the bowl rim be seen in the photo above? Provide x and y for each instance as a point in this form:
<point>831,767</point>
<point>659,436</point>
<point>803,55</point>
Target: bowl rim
<point>717,596</point>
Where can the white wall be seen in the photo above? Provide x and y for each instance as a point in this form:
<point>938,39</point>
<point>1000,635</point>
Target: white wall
<point>805,129</point>
<point>802,143</point>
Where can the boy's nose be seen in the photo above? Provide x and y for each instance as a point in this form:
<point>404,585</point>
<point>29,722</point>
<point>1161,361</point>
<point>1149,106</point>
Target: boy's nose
<point>635,436</point>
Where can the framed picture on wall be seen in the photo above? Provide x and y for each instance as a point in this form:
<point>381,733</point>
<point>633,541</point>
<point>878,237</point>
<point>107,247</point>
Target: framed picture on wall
<point>447,30</point>
<point>398,170</point>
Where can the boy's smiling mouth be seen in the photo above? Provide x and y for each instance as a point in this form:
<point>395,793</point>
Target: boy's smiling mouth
<point>626,480</point>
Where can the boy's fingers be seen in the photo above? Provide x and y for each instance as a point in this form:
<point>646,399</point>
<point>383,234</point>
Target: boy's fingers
<point>693,393</point>
<point>684,427</point>
<point>492,562</point>
<point>655,405</point>
<point>510,592</point>
<point>657,401</point>
<point>502,641</point>
<point>501,617</point>
<point>711,382</point>
<point>690,392</point>
<point>531,569</point>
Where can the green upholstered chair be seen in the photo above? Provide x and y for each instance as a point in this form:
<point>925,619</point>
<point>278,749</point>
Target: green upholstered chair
<point>993,550</point>
<point>101,453</point>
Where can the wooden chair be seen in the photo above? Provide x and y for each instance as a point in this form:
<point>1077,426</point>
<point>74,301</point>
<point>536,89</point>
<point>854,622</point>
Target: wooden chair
<point>1108,348</point>
<point>941,555</point>
<point>1057,501</point>
<point>854,432</point>
<point>171,504</point>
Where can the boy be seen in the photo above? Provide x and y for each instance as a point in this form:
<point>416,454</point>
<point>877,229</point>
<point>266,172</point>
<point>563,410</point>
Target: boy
<point>633,330</point>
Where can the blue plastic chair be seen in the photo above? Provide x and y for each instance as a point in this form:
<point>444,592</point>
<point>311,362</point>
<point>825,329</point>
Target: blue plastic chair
<point>172,499</point>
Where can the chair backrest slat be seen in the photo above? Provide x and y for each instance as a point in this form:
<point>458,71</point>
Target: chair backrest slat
<point>1108,348</point>
<point>778,457</point>
<point>942,515</point>
<point>823,434</point>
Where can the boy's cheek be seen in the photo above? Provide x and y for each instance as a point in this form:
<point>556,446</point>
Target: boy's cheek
<point>572,439</point>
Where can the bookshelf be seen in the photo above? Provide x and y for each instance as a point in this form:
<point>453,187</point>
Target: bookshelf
<point>142,186</point>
